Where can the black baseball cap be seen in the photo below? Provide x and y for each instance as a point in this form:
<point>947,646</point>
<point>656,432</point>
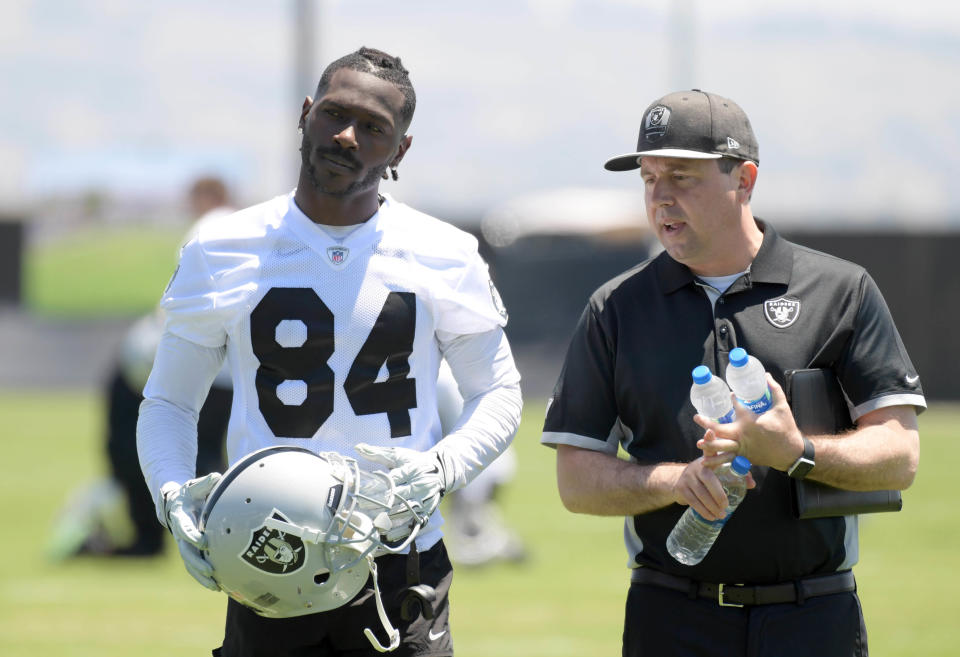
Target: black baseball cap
<point>693,124</point>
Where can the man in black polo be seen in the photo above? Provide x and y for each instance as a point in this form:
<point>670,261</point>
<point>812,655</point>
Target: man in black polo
<point>726,280</point>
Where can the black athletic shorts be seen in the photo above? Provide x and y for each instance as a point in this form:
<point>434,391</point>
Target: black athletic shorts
<point>340,631</point>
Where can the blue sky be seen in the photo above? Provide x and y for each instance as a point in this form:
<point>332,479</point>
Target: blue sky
<point>857,108</point>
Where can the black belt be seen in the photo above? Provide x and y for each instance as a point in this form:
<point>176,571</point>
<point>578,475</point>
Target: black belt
<point>738,595</point>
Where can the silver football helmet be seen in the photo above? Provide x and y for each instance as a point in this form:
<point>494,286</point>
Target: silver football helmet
<point>291,532</point>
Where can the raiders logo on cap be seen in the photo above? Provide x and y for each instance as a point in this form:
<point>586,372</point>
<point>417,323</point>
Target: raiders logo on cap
<point>782,311</point>
<point>656,124</point>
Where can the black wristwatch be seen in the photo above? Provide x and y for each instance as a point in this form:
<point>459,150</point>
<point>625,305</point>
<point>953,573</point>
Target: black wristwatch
<point>803,465</point>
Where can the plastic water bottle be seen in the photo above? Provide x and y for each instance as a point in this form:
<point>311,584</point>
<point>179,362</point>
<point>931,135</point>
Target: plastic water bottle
<point>693,535</point>
<point>711,396</point>
<point>748,380</point>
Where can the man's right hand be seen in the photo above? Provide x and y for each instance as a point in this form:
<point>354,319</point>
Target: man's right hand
<point>699,487</point>
<point>181,508</point>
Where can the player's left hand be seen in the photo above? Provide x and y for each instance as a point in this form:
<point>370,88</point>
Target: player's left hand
<point>771,438</point>
<point>181,508</point>
<point>419,484</point>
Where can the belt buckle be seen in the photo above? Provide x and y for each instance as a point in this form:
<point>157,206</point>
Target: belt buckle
<point>720,599</point>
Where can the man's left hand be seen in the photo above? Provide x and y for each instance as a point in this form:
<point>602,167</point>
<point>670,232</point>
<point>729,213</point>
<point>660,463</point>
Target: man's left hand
<point>771,438</point>
<point>419,484</point>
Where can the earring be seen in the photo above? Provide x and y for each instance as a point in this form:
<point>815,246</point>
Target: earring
<point>300,130</point>
<point>384,175</point>
<point>393,173</point>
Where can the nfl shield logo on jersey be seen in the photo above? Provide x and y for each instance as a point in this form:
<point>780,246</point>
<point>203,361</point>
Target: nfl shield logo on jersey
<point>338,254</point>
<point>782,311</point>
<point>273,551</point>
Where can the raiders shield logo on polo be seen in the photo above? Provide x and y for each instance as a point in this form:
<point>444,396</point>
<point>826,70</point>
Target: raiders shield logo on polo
<point>338,254</point>
<point>782,311</point>
<point>274,551</point>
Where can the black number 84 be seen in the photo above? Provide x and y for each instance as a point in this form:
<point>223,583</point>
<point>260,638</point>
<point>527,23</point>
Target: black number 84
<point>390,341</point>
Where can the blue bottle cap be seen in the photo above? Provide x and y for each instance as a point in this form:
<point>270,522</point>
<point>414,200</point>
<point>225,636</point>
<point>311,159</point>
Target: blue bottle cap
<point>701,374</point>
<point>740,465</point>
<point>738,357</point>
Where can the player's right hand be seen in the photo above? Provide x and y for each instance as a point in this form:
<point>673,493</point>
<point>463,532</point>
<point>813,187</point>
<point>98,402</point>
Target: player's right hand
<point>181,508</point>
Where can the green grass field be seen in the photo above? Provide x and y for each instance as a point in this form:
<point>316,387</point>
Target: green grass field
<point>567,600</point>
<point>94,272</point>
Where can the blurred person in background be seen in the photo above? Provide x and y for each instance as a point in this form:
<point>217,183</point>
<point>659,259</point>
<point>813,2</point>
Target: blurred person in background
<point>115,516</point>
<point>772,584</point>
<point>209,199</point>
<point>478,535</point>
<point>344,287</point>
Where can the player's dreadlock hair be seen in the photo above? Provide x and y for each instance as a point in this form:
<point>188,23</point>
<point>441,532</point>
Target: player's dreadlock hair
<point>384,66</point>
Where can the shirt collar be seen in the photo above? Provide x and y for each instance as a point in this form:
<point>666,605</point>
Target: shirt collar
<point>774,261</point>
<point>370,224</point>
<point>772,264</point>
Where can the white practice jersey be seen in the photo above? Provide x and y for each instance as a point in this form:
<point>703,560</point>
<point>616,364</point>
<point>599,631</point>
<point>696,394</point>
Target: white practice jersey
<point>330,342</point>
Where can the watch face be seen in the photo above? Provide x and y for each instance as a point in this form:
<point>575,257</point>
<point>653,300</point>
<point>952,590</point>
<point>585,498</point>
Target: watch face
<point>801,468</point>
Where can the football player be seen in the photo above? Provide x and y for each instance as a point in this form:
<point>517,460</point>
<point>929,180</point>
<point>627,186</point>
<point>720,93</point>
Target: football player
<point>333,306</point>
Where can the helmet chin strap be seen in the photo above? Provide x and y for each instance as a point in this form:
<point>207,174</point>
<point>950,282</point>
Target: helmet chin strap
<point>392,632</point>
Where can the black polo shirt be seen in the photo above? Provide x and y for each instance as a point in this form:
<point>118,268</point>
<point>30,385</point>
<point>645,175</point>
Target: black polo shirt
<point>626,382</point>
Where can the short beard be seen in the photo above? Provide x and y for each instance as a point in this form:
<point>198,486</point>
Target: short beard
<point>369,181</point>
